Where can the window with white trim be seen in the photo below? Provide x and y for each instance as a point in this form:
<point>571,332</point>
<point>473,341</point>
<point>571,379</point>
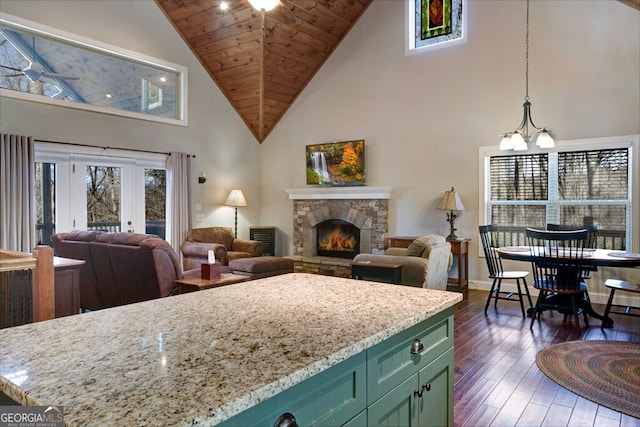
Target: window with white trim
<point>569,186</point>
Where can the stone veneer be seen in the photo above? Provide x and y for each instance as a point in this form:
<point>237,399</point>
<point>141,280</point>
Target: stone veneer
<point>370,216</point>
<point>366,207</point>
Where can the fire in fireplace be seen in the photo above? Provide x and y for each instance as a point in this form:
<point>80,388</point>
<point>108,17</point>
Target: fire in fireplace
<point>338,238</point>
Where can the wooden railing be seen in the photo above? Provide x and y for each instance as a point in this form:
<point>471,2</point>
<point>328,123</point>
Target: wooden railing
<point>26,286</point>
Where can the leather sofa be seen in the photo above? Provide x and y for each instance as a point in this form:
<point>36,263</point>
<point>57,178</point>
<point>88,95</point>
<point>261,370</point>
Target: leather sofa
<point>225,246</point>
<point>425,263</point>
<point>120,268</point>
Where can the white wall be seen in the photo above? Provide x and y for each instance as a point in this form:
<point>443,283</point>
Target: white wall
<point>223,145</point>
<point>424,116</point>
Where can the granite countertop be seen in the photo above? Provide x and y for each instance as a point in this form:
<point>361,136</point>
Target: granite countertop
<point>202,357</point>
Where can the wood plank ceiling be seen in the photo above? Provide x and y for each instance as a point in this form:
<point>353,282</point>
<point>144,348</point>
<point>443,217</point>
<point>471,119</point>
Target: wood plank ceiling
<point>263,60</point>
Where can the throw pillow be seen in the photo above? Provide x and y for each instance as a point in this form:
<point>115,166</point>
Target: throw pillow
<point>416,248</point>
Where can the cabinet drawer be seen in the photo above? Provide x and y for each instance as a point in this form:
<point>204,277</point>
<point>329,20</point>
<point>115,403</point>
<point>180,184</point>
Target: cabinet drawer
<point>330,398</point>
<point>390,362</point>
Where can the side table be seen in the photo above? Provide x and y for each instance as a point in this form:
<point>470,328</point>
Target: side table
<point>460,250</point>
<point>198,284</point>
<point>400,241</point>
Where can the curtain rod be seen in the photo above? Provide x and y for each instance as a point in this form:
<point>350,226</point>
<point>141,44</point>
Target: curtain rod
<point>106,148</point>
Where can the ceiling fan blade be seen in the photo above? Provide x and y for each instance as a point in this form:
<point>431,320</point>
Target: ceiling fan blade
<point>60,76</point>
<point>14,75</point>
<point>11,68</point>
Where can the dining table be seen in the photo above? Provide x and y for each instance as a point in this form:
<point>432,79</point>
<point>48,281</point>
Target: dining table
<point>591,258</point>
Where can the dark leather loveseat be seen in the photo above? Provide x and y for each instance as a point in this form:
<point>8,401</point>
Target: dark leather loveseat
<point>120,268</point>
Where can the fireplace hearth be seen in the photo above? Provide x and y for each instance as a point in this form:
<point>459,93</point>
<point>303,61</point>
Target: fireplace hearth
<point>337,238</point>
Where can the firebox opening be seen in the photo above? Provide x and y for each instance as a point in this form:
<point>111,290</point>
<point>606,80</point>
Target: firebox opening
<point>338,238</point>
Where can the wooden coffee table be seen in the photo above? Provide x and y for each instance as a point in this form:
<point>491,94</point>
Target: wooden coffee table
<point>198,284</point>
<point>389,273</point>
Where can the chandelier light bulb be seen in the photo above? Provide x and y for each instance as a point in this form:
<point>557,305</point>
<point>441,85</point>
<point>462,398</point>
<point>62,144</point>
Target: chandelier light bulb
<point>518,142</point>
<point>505,142</point>
<point>545,140</point>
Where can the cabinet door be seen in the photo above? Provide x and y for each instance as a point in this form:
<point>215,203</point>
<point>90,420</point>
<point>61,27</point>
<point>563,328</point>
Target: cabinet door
<point>436,381</point>
<point>398,407</point>
<point>392,361</point>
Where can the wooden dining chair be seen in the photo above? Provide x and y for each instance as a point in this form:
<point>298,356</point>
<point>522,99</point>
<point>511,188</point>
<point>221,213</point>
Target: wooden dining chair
<point>497,273</point>
<point>558,270</point>
<point>592,240</point>
<point>592,236</point>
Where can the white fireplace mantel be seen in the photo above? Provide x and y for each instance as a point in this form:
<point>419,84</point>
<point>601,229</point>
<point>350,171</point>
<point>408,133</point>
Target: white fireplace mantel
<point>339,193</point>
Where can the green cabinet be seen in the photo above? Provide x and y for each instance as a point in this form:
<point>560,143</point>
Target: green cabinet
<point>424,399</point>
<point>406,380</point>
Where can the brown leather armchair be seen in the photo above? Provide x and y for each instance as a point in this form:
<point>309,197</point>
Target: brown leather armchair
<point>219,239</point>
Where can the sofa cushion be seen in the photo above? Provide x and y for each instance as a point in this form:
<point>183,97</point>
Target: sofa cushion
<point>430,241</point>
<point>416,248</point>
<point>80,235</point>
<point>222,235</point>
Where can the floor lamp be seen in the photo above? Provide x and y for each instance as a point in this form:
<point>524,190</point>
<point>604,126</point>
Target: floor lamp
<point>236,199</point>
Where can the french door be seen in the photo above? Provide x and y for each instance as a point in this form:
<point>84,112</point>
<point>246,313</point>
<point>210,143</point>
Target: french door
<point>103,194</point>
<point>84,189</point>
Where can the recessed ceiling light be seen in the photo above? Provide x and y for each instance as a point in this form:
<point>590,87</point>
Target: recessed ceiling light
<point>163,79</point>
<point>108,95</point>
<point>224,5</point>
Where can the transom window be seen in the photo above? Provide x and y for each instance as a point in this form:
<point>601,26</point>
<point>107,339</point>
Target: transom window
<point>569,186</point>
<point>46,65</point>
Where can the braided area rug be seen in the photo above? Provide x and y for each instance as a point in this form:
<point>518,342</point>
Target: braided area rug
<point>605,372</point>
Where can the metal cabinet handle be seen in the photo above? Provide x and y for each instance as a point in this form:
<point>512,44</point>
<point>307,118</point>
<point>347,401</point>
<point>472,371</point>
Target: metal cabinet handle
<point>286,420</point>
<point>420,391</point>
<point>416,347</point>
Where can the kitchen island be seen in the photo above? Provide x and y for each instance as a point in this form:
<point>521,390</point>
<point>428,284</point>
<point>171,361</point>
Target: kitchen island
<point>202,358</point>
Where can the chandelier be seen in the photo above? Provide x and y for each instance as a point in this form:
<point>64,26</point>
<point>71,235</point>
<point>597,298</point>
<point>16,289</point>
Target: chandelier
<point>519,138</point>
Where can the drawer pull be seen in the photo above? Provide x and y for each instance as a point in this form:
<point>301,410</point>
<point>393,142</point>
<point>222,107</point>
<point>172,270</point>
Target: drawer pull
<point>416,347</point>
<point>426,386</point>
<point>417,393</point>
<point>286,420</point>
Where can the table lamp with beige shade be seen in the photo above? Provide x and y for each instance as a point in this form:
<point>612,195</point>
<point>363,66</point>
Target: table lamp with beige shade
<point>451,202</point>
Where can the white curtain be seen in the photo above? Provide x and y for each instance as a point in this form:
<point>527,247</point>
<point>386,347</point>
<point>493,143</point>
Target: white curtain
<point>17,193</point>
<point>179,199</point>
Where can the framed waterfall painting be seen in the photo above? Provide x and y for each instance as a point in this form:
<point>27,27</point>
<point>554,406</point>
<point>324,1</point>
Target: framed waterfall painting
<point>336,163</point>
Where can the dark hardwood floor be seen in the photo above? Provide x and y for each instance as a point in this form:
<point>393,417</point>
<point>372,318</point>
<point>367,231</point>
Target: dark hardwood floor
<point>497,382</point>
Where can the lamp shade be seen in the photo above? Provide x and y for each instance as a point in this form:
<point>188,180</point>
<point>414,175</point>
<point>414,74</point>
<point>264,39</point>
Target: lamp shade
<point>451,201</point>
<point>545,140</point>
<point>265,5</point>
<point>236,198</point>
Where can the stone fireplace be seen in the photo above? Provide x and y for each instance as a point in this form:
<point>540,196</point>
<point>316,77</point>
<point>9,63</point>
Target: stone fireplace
<point>365,208</point>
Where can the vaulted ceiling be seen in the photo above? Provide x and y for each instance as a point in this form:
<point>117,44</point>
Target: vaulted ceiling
<point>263,60</point>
